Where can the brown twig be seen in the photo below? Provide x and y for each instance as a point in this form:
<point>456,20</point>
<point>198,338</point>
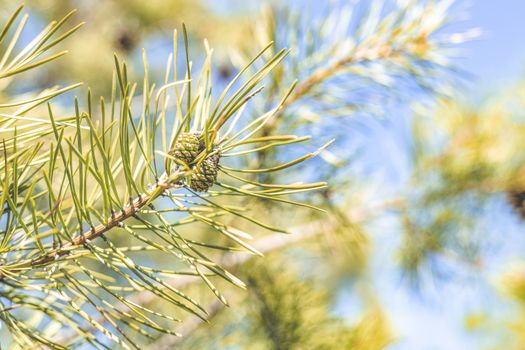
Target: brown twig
<point>128,211</point>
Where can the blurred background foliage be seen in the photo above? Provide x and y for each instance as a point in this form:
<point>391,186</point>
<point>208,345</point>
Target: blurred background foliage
<point>125,27</point>
<point>433,225</point>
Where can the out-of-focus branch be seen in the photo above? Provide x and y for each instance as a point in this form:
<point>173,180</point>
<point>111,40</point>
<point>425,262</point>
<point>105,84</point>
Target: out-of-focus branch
<point>278,241</point>
<point>360,55</point>
<point>265,245</point>
<point>318,76</point>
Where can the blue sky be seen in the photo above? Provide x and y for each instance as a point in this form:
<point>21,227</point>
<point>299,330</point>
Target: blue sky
<point>498,57</point>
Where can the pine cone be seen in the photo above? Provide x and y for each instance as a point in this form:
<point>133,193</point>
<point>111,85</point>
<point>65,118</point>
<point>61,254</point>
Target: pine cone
<point>205,174</point>
<point>187,147</point>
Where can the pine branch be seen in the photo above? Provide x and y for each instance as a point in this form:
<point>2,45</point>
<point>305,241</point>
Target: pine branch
<point>377,49</point>
<point>115,220</point>
<point>96,173</point>
<point>362,54</point>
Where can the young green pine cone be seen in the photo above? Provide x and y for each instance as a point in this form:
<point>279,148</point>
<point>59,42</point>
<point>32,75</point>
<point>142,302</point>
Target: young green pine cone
<point>187,147</point>
<point>205,174</point>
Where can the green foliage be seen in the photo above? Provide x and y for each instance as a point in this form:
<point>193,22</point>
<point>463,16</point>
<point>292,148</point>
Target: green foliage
<point>293,315</point>
<point>98,175</point>
<point>286,310</point>
<point>122,26</point>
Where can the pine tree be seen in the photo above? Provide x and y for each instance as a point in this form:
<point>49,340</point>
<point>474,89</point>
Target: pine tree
<point>127,219</point>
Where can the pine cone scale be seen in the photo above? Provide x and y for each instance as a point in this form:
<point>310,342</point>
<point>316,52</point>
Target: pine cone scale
<point>205,174</point>
<point>187,147</point>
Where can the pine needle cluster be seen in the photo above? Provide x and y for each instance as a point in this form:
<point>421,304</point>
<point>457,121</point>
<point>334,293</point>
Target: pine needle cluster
<point>73,186</point>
